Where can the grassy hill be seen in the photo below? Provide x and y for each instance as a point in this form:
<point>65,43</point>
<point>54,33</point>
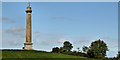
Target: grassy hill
<point>34,54</point>
<point>38,54</point>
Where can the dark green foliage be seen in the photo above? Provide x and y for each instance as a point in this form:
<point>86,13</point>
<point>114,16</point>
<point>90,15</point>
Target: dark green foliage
<point>75,51</point>
<point>61,49</point>
<point>97,49</point>
<point>67,46</point>
<point>118,55</point>
<point>90,54</point>
<point>85,49</point>
<point>55,50</point>
<point>78,49</point>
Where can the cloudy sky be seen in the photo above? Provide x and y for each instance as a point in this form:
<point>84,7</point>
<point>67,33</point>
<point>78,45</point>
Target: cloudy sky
<point>54,23</point>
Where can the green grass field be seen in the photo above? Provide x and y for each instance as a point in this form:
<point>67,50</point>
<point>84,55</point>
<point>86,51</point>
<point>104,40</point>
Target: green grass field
<point>34,54</point>
<point>38,54</point>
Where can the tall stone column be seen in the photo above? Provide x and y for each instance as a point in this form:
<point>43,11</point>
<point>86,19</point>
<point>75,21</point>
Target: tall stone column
<point>28,43</point>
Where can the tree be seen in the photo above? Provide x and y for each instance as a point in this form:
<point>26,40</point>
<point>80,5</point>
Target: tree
<point>97,49</point>
<point>85,49</point>
<point>118,55</point>
<point>61,49</point>
<point>56,50</point>
<point>78,49</point>
<point>67,47</point>
<point>74,51</point>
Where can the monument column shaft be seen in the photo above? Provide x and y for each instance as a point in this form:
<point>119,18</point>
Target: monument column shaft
<point>28,28</point>
<point>28,44</point>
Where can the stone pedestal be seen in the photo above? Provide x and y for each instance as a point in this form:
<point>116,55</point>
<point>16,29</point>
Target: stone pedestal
<point>28,46</point>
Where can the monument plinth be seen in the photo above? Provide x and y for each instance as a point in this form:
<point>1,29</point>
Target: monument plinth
<point>28,44</point>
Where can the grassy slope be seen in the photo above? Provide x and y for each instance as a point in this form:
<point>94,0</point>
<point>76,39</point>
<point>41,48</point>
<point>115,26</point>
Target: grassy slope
<point>36,54</point>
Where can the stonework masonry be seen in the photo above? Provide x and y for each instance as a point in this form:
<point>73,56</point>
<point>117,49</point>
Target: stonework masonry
<point>28,44</point>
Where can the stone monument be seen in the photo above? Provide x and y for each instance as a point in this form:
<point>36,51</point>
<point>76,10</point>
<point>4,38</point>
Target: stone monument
<point>28,44</point>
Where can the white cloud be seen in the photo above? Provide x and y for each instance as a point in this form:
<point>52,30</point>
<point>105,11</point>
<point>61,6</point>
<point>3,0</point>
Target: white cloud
<point>13,38</point>
<point>111,42</point>
<point>14,42</point>
<point>47,41</point>
<point>62,40</point>
<point>16,29</point>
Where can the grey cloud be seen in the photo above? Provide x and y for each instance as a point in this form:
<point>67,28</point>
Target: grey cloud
<point>62,37</point>
<point>14,32</point>
<point>15,37</point>
<point>39,34</point>
<point>4,18</point>
<point>14,43</point>
<point>7,19</point>
<point>63,18</point>
<point>50,40</point>
<point>113,46</point>
<point>108,38</point>
<point>16,29</point>
<point>59,38</point>
<point>47,39</point>
<point>58,18</point>
<point>78,40</point>
<point>112,42</point>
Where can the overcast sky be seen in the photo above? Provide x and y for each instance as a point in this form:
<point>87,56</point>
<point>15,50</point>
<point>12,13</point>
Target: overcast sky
<point>54,23</point>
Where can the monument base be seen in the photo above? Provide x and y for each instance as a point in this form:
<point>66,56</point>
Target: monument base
<point>28,46</point>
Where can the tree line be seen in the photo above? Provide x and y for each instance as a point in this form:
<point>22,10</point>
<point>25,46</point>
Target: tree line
<point>97,49</point>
